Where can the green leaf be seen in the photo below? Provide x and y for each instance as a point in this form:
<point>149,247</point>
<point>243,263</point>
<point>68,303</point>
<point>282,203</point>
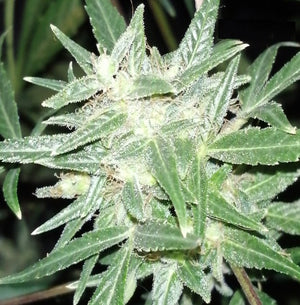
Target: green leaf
<point>259,72</point>
<point>99,126</point>
<point>287,75</point>
<point>9,119</point>
<point>218,107</point>
<point>264,183</point>
<point>244,249</point>
<point>70,229</point>
<point>132,196</point>
<point>81,55</point>
<point>196,45</point>
<point>154,236</point>
<point>81,207</point>
<point>111,289</point>
<point>219,208</point>
<point>79,90</point>
<point>167,287</point>
<point>238,298</point>
<point>137,52</point>
<point>221,52</point>
<point>272,113</point>
<point>253,145</point>
<point>28,149</point>
<point>10,185</point>
<point>52,84</point>
<point>163,167</point>
<point>108,25</point>
<point>75,251</point>
<point>87,269</point>
<point>86,160</point>
<point>194,278</point>
<point>197,184</point>
<point>284,217</point>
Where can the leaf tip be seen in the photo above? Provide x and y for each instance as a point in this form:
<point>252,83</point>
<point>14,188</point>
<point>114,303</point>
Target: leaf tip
<point>19,214</point>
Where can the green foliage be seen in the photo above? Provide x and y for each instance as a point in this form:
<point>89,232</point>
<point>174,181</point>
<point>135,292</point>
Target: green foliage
<point>174,189</point>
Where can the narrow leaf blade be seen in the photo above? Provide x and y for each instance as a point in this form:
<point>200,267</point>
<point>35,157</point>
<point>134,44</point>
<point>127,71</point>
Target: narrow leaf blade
<point>75,251</point>
<point>167,286</point>
<point>257,146</point>
<point>247,250</point>
<point>107,23</point>
<point>194,277</point>
<point>284,217</point>
<point>81,55</point>
<point>52,84</point>
<point>163,167</point>
<point>9,119</point>
<point>10,191</point>
<point>111,290</point>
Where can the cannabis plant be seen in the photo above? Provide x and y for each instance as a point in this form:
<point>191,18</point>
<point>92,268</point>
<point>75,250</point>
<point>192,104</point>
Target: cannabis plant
<point>174,163</point>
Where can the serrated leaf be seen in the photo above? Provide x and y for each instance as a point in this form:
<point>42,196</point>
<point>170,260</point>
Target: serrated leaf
<point>79,90</point>
<point>264,183</point>
<point>163,167</point>
<point>196,45</point>
<point>194,278</point>
<point>167,287</point>
<point>52,84</point>
<point>272,113</point>
<point>153,236</point>
<point>86,160</point>
<point>10,185</point>
<point>9,119</point>
<point>197,184</point>
<point>287,75</point>
<point>219,208</point>
<point>133,199</point>
<point>218,107</point>
<point>74,252</point>
<point>244,249</point>
<point>69,231</point>
<point>107,23</point>
<point>111,289</point>
<point>259,71</point>
<point>137,52</point>
<point>81,207</point>
<point>81,55</point>
<point>284,217</point>
<point>28,149</point>
<point>87,269</point>
<point>99,126</point>
<point>256,146</point>
<point>221,52</point>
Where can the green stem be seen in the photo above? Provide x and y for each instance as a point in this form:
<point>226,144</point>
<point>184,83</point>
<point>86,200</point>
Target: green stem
<point>38,296</point>
<point>8,23</point>
<point>246,285</point>
<point>161,20</point>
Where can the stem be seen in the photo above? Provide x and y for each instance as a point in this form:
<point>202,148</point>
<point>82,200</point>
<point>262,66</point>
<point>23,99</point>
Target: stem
<point>163,24</point>
<point>8,24</point>
<point>246,285</point>
<point>38,296</point>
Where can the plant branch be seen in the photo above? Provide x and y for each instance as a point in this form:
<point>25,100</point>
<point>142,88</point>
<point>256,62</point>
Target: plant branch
<point>38,296</point>
<point>246,285</point>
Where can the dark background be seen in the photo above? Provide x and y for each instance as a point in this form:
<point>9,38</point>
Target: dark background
<point>260,23</point>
